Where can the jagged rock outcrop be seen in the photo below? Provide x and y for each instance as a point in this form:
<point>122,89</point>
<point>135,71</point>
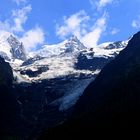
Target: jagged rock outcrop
<point>17,49</point>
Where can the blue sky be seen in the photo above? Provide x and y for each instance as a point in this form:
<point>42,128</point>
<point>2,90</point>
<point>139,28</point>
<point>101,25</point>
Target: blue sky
<point>38,22</point>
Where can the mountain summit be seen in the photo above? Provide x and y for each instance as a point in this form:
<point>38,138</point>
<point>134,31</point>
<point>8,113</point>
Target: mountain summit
<point>11,48</point>
<point>74,45</point>
<point>17,49</point>
<point>70,46</point>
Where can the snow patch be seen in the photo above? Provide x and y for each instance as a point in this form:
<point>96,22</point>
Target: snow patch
<point>72,94</point>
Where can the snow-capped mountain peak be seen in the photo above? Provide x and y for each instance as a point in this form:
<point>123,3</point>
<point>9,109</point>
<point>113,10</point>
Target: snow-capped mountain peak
<point>17,48</point>
<point>74,45</point>
<point>11,48</point>
<point>70,46</point>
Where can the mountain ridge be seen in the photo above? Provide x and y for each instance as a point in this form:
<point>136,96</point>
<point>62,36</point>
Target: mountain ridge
<point>68,56</point>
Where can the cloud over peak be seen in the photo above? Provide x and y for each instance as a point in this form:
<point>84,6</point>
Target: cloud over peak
<point>91,38</point>
<point>82,25</point>
<point>20,17</point>
<point>15,22</point>
<point>73,24</point>
<point>32,38</point>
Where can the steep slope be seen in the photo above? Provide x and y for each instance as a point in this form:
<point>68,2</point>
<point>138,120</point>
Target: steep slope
<point>113,99</point>
<point>119,80</point>
<point>6,75</point>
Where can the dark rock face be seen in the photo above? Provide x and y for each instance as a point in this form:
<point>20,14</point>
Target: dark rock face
<point>6,75</point>
<point>31,73</point>
<point>9,108</point>
<point>32,60</point>
<point>113,99</point>
<point>91,63</point>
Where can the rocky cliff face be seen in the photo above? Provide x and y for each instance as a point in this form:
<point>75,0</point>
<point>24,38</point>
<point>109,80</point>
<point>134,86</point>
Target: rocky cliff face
<point>6,74</point>
<point>9,107</point>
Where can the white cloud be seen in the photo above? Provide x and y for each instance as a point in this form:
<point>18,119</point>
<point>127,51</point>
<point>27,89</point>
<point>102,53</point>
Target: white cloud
<point>32,38</point>
<point>74,24</point>
<point>103,3</point>
<point>19,18</point>
<point>99,4</point>
<point>136,23</point>
<point>91,38</point>
<point>5,25</point>
<point>114,31</point>
<point>18,2</point>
